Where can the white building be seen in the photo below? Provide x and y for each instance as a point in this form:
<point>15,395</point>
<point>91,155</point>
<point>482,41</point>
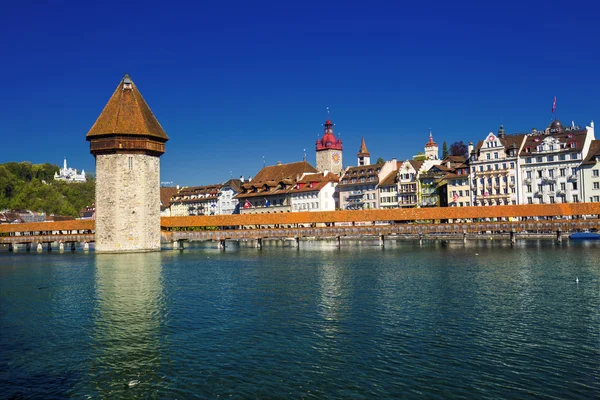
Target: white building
<point>590,172</point>
<point>315,192</point>
<point>494,172</point>
<point>69,174</point>
<point>227,203</point>
<point>550,163</point>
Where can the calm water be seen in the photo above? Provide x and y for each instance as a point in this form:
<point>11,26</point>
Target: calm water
<point>443,321</point>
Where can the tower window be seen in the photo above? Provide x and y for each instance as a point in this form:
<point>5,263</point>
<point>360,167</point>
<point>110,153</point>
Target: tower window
<point>130,162</point>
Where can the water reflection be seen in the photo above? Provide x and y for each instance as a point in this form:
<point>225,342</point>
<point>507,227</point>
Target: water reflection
<point>331,297</point>
<point>126,345</point>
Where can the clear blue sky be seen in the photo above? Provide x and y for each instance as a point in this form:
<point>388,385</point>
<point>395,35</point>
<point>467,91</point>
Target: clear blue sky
<point>231,82</point>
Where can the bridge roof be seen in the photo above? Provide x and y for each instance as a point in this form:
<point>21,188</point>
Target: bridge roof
<point>127,113</point>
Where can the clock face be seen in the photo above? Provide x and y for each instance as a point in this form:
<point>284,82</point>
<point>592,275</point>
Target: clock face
<point>335,157</point>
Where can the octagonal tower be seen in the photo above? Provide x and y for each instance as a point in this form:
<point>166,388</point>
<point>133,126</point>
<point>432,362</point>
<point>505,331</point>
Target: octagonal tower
<point>127,141</point>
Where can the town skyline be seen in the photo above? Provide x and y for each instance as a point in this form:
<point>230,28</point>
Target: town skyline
<point>230,91</point>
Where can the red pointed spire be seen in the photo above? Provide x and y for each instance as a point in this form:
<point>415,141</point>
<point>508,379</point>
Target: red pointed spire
<point>431,142</point>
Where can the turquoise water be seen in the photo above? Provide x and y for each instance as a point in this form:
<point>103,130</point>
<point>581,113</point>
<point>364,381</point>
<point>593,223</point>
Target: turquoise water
<point>448,320</point>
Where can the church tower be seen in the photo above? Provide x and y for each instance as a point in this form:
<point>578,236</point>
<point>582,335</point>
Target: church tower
<point>364,157</point>
<point>431,149</point>
<point>329,151</point>
<point>127,141</point>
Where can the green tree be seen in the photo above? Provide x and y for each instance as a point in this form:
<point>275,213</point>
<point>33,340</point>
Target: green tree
<point>444,149</point>
<point>380,161</point>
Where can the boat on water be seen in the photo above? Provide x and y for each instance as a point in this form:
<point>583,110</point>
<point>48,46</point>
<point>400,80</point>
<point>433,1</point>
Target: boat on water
<point>585,236</point>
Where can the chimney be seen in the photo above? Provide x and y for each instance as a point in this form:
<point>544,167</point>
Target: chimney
<point>242,178</point>
<point>177,187</point>
<point>470,148</point>
<point>249,179</point>
<point>278,162</point>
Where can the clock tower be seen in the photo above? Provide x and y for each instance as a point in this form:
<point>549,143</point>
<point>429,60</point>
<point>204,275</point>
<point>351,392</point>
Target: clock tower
<point>329,151</point>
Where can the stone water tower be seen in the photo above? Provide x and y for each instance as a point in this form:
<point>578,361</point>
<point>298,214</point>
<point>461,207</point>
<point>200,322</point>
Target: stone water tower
<point>127,142</point>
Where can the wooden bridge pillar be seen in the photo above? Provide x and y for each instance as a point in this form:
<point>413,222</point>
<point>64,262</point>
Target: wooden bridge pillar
<point>28,247</point>
<point>512,237</point>
<point>49,247</point>
<point>86,246</point>
<point>259,243</point>
<point>464,236</point>
<point>382,241</point>
<point>339,241</point>
<point>420,239</point>
<point>39,248</point>
<point>72,247</point>
<point>222,244</point>
<point>11,247</point>
<point>61,247</point>
<point>298,242</point>
<point>558,236</point>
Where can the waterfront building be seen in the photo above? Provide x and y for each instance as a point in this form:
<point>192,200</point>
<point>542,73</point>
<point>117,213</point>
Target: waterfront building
<point>590,173</point>
<point>329,151</point>
<point>227,203</point>
<point>69,174</point>
<point>388,189</point>
<point>408,183</point>
<point>315,192</point>
<point>358,188</point>
<point>457,193</point>
<point>127,141</point>
<point>166,193</point>
<point>195,200</point>
<point>494,173</point>
<point>88,212</point>
<point>9,217</point>
<point>550,161</point>
<point>271,189</point>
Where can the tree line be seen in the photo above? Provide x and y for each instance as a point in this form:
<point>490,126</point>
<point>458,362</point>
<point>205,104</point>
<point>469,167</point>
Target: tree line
<point>27,186</point>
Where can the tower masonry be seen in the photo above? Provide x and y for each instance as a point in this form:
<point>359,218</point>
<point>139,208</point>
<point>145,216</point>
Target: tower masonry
<point>127,141</point>
<point>329,151</point>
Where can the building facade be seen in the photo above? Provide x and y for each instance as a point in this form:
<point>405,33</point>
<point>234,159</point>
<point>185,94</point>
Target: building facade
<point>494,172</point>
<point>271,189</point>
<point>590,172</point>
<point>358,188</point>
<point>550,161</point>
<point>196,200</point>
<point>127,141</point>
<point>227,203</point>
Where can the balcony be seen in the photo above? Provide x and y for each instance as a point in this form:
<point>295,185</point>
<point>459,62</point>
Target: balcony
<point>548,181</point>
<point>573,177</point>
<point>528,181</point>
<point>356,193</point>
<point>539,193</point>
<point>561,193</point>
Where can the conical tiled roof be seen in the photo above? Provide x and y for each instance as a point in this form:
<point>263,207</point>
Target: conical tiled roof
<point>127,113</point>
<point>363,148</point>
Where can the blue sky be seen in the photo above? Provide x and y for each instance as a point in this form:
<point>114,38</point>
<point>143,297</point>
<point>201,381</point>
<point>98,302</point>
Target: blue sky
<point>231,82</point>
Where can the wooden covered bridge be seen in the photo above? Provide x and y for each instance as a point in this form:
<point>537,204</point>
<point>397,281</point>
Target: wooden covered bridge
<point>460,222</point>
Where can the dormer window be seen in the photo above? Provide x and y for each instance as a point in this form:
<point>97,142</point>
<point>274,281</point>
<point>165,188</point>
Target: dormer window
<point>573,145</point>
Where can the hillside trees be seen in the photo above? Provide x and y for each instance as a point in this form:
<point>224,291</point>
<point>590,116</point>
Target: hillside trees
<point>32,187</point>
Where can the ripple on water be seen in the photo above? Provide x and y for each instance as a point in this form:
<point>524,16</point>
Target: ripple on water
<point>409,322</point>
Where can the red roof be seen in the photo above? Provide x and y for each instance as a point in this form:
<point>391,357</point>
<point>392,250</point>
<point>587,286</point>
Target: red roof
<point>328,141</point>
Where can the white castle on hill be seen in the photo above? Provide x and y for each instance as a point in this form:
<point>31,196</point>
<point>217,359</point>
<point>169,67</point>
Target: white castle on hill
<point>69,174</point>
